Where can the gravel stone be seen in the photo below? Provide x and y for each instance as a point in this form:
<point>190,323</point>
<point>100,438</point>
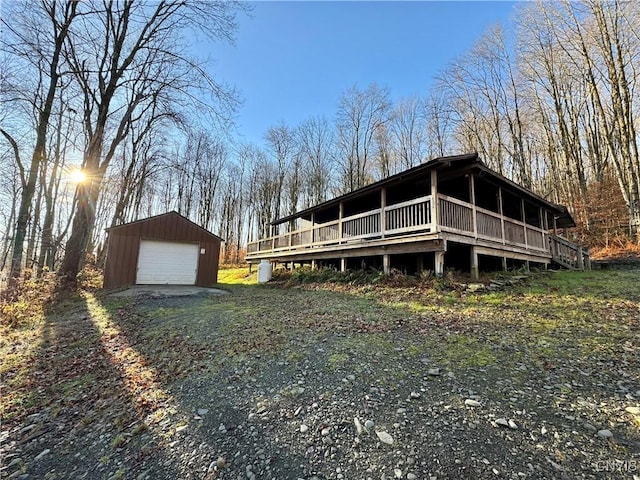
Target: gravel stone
<point>605,433</point>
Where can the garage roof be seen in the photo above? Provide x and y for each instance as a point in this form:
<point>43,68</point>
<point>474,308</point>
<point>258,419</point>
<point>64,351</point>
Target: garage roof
<point>156,217</point>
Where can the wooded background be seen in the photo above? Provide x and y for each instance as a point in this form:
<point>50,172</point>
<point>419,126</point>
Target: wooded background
<point>112,88</point>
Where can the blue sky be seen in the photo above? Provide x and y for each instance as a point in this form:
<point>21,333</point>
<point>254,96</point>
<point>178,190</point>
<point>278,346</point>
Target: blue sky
<point>293,60</point>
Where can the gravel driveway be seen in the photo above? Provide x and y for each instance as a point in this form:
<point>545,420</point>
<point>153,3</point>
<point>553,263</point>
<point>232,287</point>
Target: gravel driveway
<point>288,383</point>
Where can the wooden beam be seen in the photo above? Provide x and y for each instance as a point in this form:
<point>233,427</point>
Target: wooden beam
<point>475,272</point>
<point>504,254</point>
<point>313,230</point>
<point>434,200</point>
<point>524,220</point>
<point>580,258</point>
<point>383,204</point>
<point>501,211</point>
<point>386,263</point>
<point>343,264</point>
<point>439,263</point>
<point>340,251</point>
<point>472,195</point>
<point>340,215</point>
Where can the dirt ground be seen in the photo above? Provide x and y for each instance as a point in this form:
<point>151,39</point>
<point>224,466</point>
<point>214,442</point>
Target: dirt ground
<point>328,381</point>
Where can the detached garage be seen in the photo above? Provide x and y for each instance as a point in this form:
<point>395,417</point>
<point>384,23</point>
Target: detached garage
<point>167,249</point>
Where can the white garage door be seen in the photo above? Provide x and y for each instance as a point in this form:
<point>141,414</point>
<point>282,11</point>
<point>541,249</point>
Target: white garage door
<point>167,263</point>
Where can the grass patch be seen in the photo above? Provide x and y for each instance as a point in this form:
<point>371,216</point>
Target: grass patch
<point>335,361</point>
<point>582,319</point>
<point>464,351</point>
<point>237,276</point>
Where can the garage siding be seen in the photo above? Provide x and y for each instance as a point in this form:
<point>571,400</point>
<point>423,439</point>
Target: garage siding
<point>124,245</point>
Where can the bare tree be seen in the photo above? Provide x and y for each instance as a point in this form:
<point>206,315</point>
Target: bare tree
<point>360,114</point>
<point>438,113</point>
<point>37,34</point>
<point>409,128</point>
<point>9,195</point>
<point>316,143</point>
<point>50,179</point>
<point>582,60</point>
<point>281,142</point>
<point>139,57</point>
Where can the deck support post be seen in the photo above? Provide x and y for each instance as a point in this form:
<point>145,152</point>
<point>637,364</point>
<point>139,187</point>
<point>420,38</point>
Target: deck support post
<point>580,259</point>
<point>314,265</point>
<point>527,265</point>
<point>475,272</point>
<point>504,264</point>
<point>439,263</point>
<point>386,263</point>
<point>343,264</point>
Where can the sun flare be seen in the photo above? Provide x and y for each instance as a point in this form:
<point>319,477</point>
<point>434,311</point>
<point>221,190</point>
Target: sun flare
<point>77,176</point>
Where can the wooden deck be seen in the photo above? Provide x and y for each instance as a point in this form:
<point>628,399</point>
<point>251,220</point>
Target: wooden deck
<point>418,221</point>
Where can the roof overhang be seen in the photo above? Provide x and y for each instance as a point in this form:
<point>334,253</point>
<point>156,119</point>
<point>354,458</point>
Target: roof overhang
<point>471,160</point>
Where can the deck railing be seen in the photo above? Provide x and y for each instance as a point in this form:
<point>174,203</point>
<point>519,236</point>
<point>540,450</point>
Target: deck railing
<point>411,217</point>
<point>466,219</point>
<point>361,226</point>
<point>400,218</point>
<point>569,254</point>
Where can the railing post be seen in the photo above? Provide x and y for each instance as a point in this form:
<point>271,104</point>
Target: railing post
<point>542,217</point>
<point>383,217</point>
<point>313,228</point>
<point>472,194</point>
<point>524,221</point>
<point>434,200</point>
<point>504,241</point>
<point>340,215</point>
<point>580,259</point>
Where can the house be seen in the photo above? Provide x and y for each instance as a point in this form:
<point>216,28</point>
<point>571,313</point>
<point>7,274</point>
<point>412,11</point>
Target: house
<point>167,249</point>
<point>450,212</point>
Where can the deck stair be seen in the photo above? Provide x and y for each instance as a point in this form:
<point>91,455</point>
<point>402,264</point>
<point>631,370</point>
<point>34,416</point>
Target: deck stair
<point>568,255</point>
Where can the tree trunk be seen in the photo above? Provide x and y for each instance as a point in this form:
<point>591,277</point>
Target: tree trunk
<point>39,151</point>
<point>83,221</point>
